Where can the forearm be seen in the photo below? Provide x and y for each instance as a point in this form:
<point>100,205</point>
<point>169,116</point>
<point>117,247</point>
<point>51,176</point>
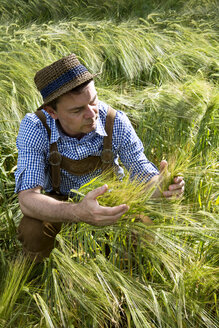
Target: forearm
<point>45,208</point>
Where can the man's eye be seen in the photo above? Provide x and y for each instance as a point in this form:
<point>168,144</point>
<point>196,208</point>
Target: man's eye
<point>76,110</point>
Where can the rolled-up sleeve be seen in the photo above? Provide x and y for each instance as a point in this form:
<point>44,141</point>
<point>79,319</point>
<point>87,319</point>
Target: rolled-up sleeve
<point>31,144</point>
<point>131,151</point>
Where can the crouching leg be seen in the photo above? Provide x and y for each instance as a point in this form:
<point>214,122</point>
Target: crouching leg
<point>37,237</point>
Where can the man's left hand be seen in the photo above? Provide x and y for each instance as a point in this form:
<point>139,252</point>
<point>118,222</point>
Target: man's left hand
<point>176,189</point>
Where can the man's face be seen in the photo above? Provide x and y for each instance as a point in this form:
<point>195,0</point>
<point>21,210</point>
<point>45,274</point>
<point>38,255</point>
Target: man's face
<point>77,112</point>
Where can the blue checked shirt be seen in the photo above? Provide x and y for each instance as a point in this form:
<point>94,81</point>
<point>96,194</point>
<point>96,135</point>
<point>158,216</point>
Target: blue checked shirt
<point>33,151</point>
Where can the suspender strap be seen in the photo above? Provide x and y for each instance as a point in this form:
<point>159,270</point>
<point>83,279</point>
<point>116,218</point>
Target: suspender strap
<point>55,157</point>
<point>86,165</point>
<point>107,156</point>
<point>42,118</point>
<point>111,114</point>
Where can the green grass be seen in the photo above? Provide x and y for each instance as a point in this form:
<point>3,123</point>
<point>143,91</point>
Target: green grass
<point>159,63</point>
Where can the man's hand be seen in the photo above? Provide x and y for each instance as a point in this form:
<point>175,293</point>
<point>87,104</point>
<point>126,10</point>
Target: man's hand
<point>177,188</point>
<point>89,210</point>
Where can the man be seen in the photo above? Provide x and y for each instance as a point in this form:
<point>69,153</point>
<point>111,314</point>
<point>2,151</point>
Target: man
<point>66,144</point>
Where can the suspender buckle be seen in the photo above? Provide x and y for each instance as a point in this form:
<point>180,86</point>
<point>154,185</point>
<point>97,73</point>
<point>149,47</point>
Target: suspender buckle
<point>55,158</point>
<point>107,156</point>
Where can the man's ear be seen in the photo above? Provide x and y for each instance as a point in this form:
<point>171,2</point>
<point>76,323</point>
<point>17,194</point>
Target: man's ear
<point>51,112</point>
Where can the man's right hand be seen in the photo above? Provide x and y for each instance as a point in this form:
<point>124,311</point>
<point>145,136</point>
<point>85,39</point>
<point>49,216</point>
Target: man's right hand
<point>89,210</point>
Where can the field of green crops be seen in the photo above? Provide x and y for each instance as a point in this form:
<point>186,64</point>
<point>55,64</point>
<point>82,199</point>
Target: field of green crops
<point>159,62</point>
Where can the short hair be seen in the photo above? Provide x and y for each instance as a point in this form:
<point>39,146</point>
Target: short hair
<point>77,90</point>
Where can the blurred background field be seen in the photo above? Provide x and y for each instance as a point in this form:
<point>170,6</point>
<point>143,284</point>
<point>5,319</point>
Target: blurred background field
<point>159,63</point>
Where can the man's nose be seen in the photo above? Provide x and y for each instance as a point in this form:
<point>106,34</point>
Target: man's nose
<point>90,112</point>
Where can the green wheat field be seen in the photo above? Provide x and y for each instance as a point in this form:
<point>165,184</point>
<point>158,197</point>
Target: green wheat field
<point>158,61</point>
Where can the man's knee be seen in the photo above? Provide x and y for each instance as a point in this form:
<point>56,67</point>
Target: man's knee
<point>36,235</point>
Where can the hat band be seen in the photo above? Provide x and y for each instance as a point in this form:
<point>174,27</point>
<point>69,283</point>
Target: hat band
<point>63,79</point>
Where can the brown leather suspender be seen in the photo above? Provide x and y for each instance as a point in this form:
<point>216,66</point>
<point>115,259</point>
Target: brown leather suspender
<point>86,165</point>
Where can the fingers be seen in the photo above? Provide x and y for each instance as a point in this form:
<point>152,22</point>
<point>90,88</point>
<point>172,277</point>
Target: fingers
<point>105,218</point>
<point>163,165</point>
<point>173,193</point>
<point>178,185</point>
<point>97,192</point>
<point>116,210</point>
<point>176,189</point>
<point>89,210</point>
<point>178,179</point>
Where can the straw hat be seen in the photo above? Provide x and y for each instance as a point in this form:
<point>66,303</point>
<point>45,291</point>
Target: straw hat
<point>60,77</point>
